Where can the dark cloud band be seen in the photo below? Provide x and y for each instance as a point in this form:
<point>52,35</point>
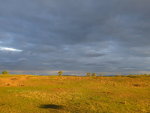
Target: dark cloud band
<point>75,35</point>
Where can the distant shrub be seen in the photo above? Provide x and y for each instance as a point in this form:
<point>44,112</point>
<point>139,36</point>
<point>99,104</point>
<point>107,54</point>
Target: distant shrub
<point>94,74</point>
<point>60,73</point>
<point>5,72</point>
<point>88,74</point>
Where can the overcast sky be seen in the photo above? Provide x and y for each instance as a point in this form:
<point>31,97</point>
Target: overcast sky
<point>75,35</point>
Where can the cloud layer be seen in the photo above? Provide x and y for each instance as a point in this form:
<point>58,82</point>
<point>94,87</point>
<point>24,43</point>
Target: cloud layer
<point>75,35</point>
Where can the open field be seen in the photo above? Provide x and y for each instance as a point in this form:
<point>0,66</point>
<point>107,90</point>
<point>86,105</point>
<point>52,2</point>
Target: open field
<point>68,94</point>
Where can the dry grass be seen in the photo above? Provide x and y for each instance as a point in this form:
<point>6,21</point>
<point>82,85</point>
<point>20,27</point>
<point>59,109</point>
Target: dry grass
<point>68,94</point>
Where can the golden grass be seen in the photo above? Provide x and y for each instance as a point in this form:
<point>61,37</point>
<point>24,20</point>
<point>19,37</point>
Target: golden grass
<point>69,94</point>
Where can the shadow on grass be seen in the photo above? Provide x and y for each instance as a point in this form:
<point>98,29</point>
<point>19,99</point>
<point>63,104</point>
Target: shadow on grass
<point>2,104</point>
<point>51,106</point>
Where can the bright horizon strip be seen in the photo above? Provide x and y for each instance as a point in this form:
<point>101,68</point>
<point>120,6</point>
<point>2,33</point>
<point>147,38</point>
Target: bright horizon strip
<point>10,49</point>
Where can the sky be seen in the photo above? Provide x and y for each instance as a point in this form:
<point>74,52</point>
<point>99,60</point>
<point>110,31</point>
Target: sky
<point>77,36</point>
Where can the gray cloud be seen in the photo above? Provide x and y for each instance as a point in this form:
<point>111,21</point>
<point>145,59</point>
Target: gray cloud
<point>75,35</point>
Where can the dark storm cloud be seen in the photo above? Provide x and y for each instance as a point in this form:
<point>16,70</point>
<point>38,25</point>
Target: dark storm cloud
<point>75,35</point>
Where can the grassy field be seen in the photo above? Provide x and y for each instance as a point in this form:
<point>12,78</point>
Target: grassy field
<point>68,94</point>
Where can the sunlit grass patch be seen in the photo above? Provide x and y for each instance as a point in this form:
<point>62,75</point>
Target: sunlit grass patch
<point>55,94</point>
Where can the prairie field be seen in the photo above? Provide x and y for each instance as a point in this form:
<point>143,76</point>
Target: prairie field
<point>73,94</point>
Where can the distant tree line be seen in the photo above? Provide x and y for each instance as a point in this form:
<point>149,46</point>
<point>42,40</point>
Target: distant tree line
<point>88,74</point>
<point>60,73</point>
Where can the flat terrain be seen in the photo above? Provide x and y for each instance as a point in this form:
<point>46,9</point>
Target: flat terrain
<point>68,94</point>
